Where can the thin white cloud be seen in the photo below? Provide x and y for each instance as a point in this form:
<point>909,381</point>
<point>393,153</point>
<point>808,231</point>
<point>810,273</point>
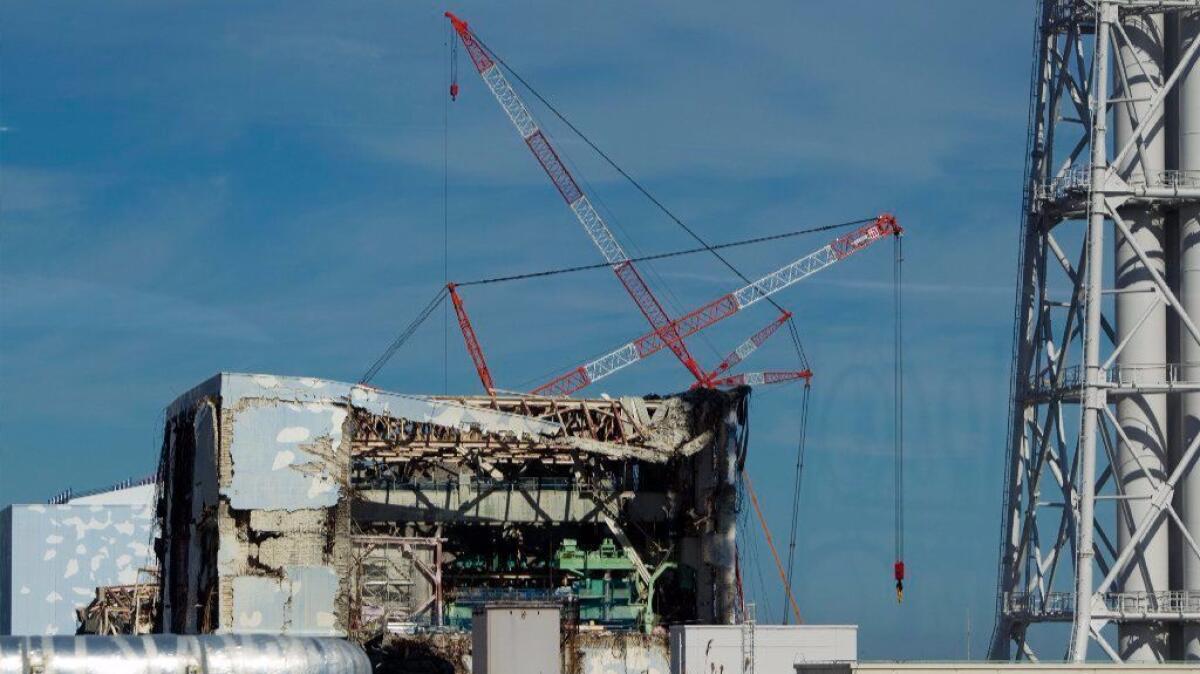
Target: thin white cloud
<point>87,307</point>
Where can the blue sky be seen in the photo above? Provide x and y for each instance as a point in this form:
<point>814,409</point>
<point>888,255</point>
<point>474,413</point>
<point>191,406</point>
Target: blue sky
<point>187,188</point>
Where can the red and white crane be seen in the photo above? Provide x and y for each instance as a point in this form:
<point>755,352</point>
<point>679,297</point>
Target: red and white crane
<point>698,319</point>
<point>576,199</point>
<point>744,349</point>
<point>472,342</point>
<point>668,333</point>
<point>723,307</point>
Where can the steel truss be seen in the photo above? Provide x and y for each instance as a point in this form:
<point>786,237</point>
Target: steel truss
<point>1086,494</point>
<point>396,581</point>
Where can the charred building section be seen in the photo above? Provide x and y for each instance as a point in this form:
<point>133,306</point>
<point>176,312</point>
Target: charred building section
<point>306,506</point>
<point>627,515</point>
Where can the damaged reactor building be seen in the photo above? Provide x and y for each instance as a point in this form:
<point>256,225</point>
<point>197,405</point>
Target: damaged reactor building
<point>311,507</point>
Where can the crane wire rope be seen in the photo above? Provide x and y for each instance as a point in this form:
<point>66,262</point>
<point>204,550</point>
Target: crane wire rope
<point>452,72</point>
<point>771,544</point>
<point>797,344</point>
<point>407,332</point>
<point>752,560</point>
<point>795,337</point>
<point>403,337</point>
<point>898,430</point>
<point>662,256</point>
<point>609,160</point>
<point>791,559</point>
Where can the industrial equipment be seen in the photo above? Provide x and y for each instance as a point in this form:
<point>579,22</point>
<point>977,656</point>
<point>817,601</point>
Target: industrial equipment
<point>1101,509</point>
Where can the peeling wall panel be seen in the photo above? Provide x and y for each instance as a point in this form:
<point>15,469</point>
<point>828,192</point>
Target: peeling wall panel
<point>286,456</point>
<point>258,492</point>
<point>235,387</point>
<point>450,415</point>
<point>60,554</point>
<point>269,520</point>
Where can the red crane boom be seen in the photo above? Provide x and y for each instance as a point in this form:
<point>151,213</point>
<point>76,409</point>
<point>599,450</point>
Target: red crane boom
<point>472,342</point>
<point>576,199</point>
<point>746,348</point>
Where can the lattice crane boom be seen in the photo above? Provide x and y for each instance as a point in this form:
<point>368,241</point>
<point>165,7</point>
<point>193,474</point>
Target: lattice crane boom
<point>759,378</point>
<point>725,306</point>
<point>472,342</point>
<point>749,346</point>
<point>597,230</point>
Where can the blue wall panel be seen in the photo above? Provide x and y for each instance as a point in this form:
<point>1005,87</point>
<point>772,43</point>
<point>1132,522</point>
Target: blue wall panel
<point>61,553</point>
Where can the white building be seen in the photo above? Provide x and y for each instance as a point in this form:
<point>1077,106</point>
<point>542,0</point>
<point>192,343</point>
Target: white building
<point>54,556</point>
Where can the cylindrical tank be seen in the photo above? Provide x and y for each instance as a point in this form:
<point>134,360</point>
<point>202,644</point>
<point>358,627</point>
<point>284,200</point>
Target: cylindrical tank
<point>1138,72</point>
<point>177,654</point>
<point>1188,153</point>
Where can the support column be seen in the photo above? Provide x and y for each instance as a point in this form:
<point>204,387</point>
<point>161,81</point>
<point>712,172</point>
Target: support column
<point>1093,396</point>
<point>1188,153</point>
<point>1141,462</point>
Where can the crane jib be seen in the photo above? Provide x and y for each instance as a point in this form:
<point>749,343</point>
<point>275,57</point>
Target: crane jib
<point>726,306</point>
<point>594,225</point>
<point>666,333</point>
<point>478,56</point>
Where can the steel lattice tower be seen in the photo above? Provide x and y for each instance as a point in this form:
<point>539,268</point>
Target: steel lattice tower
<point>1101,515</point>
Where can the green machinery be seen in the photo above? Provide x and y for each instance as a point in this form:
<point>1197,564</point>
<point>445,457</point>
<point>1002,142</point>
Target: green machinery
<point>607,585</point>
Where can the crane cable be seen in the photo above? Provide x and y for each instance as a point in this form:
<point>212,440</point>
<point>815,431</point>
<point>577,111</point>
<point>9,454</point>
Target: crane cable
<point>403,337</point>
<point>898,430</point>
<point>624,174</point>
<point>791,560</point>
<point>407,332</point>
<point>771,544</point>
<point>452,68</point>
<point>674,253</point>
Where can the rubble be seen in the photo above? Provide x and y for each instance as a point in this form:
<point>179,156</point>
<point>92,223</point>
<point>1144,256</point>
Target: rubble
<point>317,508</point>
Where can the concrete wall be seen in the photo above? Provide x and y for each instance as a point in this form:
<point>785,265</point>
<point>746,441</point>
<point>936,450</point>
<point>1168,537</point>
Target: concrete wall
<point>620,653</point>
<point>58,554</point>
<point>256,497</point>
<point>255,510</point>
<point>703,649</point>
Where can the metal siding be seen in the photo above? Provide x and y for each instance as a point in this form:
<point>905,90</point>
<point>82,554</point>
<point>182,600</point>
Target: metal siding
<point>60,554</point>
<point>163,653</point>
<point>516,640</point>
<point>777,648</point>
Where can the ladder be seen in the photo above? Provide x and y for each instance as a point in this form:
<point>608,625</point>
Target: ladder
<point>748,640</point>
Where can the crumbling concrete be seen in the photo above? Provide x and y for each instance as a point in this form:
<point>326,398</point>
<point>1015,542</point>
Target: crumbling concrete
<point>255,511</point>
<point>268,482</point>
<point>605,652</point>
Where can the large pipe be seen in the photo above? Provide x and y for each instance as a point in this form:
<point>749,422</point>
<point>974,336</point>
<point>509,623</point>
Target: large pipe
<point>1188,153</point>
<point>1141,459</point>
<point>177,654</point>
